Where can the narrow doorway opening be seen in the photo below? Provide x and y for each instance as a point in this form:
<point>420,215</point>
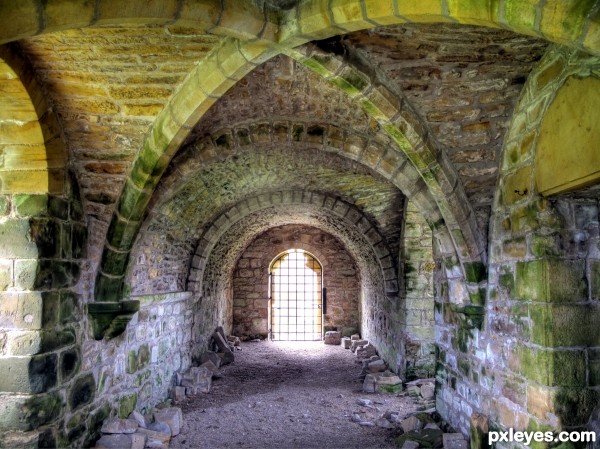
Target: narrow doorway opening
<point>296,279</point>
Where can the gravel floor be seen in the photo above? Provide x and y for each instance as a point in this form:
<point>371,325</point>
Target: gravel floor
<point>288,395</point>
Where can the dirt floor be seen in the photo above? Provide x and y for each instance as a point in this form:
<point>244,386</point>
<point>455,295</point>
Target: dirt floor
<point>289,395</point>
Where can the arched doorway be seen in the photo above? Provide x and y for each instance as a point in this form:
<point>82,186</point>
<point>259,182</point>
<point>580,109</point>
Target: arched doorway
<point>296,296</point>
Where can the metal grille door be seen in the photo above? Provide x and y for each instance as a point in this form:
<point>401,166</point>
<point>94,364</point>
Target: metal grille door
<point>296,278</point>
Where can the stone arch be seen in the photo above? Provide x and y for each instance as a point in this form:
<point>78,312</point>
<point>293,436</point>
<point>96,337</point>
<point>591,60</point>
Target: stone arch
<point>209,274</point>
<point>309,21</point>
<point>540,259</point>
<point>33,152</point>
<point>311,200</point>
<point>568,23</point>
<point>211,78</point>
<point>242,19</point>
<point>253,267</point>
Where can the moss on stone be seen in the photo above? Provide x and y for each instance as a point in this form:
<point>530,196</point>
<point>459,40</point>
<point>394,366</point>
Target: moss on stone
<point>551,280</point>
<point>30,205</point>
<point>575,405</point>
<point>132,362</point>
<point>475,272</point>
<point>127,405</point>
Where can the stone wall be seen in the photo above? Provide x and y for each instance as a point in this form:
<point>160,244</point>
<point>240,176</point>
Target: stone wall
<point>417,254</point>
<point>133,371</point>
<point>251,279</point>
<point>42,243</point>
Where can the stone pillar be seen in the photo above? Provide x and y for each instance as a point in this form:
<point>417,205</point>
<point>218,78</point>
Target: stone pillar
<point>41,242</point>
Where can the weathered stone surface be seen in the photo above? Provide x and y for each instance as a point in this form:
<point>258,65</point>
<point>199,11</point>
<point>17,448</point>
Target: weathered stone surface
<point>333,338</point>
<point>212,357</point>
<point>428,391</point>
<point>172,417</point>
<point>346,343</point>
<point>411,423</point>
<point>118,425</point>
<point>358,343</point>
<point>117,441</point>
<point>454,441</point>
<point>139,418</point>
<point>159,440</point>
<point>177,393</point>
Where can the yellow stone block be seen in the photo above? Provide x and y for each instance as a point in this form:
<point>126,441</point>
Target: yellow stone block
<point>143,109</point>
<point>20,18</point>
<point>382,11</point>
<point>189,103</point>
<point>521,15</point>
<point>21,133</point>
<point>475,12</point>
<point>91,106</point>
<point>348,15</point>
<point>517,186</point>
<point>422,10</point>
<point>241,19</point>
<point>136,11</point>
<point>205,13</point>
<point>232,62</point>
<point>564,20</point>
<point>23,157</point>
<point>314,21</point>
<point>567,155</point>
<point>25,181</point>
<point>139,92</point>
<point>592,38</point>
<point>70,13</point>
<point>212,81</point>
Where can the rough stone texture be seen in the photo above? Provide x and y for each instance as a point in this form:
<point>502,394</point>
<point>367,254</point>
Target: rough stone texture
<point>251,282</point>
<point>115,91</point>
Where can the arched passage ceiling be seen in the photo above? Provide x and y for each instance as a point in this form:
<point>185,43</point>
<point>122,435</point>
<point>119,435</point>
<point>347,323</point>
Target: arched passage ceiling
<point>116,84</point>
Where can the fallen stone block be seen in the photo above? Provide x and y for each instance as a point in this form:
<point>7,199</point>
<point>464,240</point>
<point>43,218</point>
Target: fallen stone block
<point>346,343</point>
<point>172,417</point>
<point>118,425</point>
<point>139,418</point>
<point>226,357</point>
<point>138,440</point>
<point>156,440</point>
<point>428,391</point>
<point>377,366</point>
<point>413,390</point>
<point>210,366</point>
<point>210,356</point>
<point>411,423</point>
<point>429,438</point>
<point>114,441</point>
<point>162,427</point>
<point>365,351</point>
<point>409,444</point>
<point>358,343</point>
<point>355,337</point>
<point>177,394</point>
<point>454,441</point>
<point>369,384</point>
<point>333,338</point>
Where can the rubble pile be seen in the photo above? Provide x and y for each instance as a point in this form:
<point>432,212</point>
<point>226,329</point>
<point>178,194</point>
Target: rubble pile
<point>135,432</point>
<point>416,430</point>
<point>422,390</point>
<point>198,379</point>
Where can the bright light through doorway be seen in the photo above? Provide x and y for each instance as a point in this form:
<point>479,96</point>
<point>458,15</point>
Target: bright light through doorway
<point>296,296</point>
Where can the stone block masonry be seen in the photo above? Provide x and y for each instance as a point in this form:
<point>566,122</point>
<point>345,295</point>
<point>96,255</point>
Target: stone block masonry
<point>251,279</point>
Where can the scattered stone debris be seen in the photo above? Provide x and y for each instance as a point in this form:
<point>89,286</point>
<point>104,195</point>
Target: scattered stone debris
<point>136,433</point>
<point>423,390</point>
<point>333,338</point>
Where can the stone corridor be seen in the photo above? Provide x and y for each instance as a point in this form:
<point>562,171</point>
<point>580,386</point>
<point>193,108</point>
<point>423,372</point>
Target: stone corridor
<point>439,159</point>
